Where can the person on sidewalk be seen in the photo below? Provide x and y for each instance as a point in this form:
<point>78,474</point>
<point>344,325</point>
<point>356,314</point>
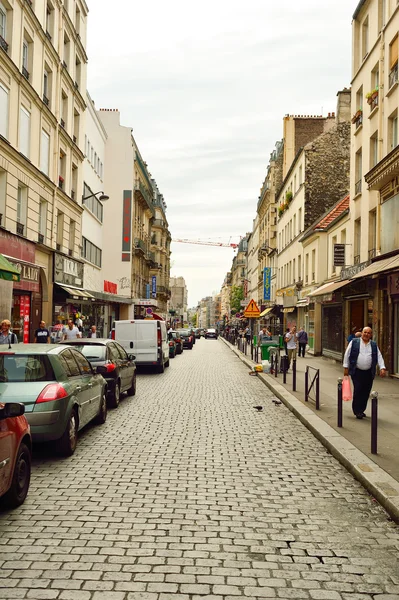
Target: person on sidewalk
<point>71,332</point>
<point>6,335</point>
<point>287,331</point>
<point>291,342</point>
<point>42,334</point>
<point>264,336</point>
<point>302,338</point>
<point>360,362</point>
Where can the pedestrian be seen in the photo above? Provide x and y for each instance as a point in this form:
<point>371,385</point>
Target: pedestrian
<point>248,335</point>
<point>92,332</point>
<point>264,336</point>
<point>79,323</point>
<point>360,362</point>
<point>71,332</point>
<point>291,342</point>
<point>287,331</point>
<point>6,335</point>
<point>302,338</point>
<point>42,334</point>
<point>351,335</point>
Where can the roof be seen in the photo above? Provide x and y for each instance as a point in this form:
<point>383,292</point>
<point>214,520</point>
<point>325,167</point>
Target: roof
<point>358,9</point>
<point>337,210</point>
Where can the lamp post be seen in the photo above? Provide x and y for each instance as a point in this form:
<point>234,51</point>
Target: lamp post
<point>102,198</point>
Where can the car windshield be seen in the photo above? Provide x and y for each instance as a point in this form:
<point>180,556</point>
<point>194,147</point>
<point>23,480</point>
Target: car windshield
<point>19,367</point>
<point>184,333</point>
<point>92,352</point>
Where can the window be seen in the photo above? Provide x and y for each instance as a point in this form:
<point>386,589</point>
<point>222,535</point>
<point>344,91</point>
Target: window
<point>92,204</point>
<point>313,265</point>
<point>359,99</point>
<point>27,56</point>
<point>357,242</point>
<point>3,111</point>
<point>372,233</point>
<point>64,109</point>
<point>49,20</point>
<point>3,22</point>
<point>78,72</point>
<point>47,79</point>
<point>68,362</point>
<point>22,202</point>
<point>306,268</point>
<point>24,132</point>
<point>299,267</point>
<point>393,62</point>
<point>374,149</point>
<point>381,14</point>
<point>365,37</point>
<point>300,220</point>
<point>358,172</point>
<point>83,363</point>
<point>62,170</point>
<point>45,152</point>
<point>393,130</point>
<point>72,233</point>
<point>60,230</point>
<point>42,221</point>
<point>91,252</point>
<point>300,175</point>
<point>74,181</point>
<point>333,242</point>
<point>66,51</point>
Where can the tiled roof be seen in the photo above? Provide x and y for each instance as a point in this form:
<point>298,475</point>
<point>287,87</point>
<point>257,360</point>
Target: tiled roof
<point>333,214</point>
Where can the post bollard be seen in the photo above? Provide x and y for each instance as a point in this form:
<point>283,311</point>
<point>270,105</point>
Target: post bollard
<point>294,375</point>
<point>285,370</point>
<point>374,421</point>
<point>339,398</point>
<point>318,390</point>
<point>306,385</point>
<point>277,356</point>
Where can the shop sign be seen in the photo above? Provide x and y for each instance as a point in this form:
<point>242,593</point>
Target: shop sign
<point>339,255</point>
<point>267,277</point>
<point>18,248</point>
<point>111,288</point>
<point>145,302</point>
<point>305,293</point>
<point>24,307</point>
<point>349,272</point>
<point>394,284</point>
<point>29,275</point>
<point>154,286</point>
<point>126,225</point>
<point>68,271</point>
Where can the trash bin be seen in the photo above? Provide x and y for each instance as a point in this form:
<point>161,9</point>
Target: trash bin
<point>265,349</point>
<point>281,342</point>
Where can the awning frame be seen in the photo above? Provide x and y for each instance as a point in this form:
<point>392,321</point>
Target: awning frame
<point>328,288</point>
<point>76,293</point>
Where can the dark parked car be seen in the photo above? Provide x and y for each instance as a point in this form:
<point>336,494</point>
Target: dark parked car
<point>108,358</point>
<point>211,334</point>
<point>15,454</point>
<point>59,388</point>
<point>191,330</point>
<point>197,333</point>
<point>178,341</point>
<point>172,346</point>
<point>187,337</point>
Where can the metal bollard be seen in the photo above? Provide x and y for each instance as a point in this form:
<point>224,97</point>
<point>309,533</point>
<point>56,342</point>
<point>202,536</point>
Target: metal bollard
<point>285,370</point>
<point>374,421</point>
<point>277,356</point>
<point>307,385</point>
<point>318,390</point>
<point>339,398</point>
<point>294,375</point>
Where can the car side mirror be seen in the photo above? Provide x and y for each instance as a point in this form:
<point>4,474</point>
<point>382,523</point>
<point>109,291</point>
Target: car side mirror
<point>131,357</point>
<point>12,409</point>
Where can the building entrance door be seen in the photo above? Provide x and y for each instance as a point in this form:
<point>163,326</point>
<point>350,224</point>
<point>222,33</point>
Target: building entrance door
<point>356,315</point>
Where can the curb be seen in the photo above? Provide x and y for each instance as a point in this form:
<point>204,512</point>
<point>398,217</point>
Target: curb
<point>383,487</point>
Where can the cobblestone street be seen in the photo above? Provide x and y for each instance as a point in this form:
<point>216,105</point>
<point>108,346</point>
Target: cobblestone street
<point>189,492</point>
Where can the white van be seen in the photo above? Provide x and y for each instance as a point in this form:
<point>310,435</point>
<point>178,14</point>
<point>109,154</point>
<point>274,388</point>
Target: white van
<point>147,339</point>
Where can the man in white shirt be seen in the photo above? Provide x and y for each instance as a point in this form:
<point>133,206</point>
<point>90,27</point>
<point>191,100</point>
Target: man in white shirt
<point>92,332</point>
<point>291,341</point>
<point>360,362</point>
<point>71,332</point>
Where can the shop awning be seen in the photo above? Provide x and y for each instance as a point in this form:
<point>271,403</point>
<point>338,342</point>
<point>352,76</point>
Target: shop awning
<point>7,270</point>
<point>386,264</point>
<point>266,312</point>
<point>76,293</point>
<point>107,297</point>
<point>327,288</point>
<point>289,310</point>
<point>304,302</point>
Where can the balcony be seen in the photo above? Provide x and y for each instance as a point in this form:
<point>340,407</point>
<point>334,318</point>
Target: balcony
<point>46,100</point>
<point>20,228</point>
<point>40,238</point>
<point>151,257</point>
<point>159,223</point>
<point>61,183</point>
<point>358,187</point>
<point>3,44</point>
<point>73,194</point>
<point>62,123</point>
<point>25,73</point>
<point>372,253</point>
<point>393,76</point>
<point>143,193</point>
<point>356,259</point>
<point>139,246</point>
<point>48,35</point>
<point>161,289</point>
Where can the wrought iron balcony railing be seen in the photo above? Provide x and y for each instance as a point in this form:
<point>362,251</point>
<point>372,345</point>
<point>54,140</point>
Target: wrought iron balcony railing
<point>139,245</point>
<point>20,228</point>
<point>25,73</point>
<point>393,75</point>
<point>372,253</point>
<point>40,238</point>
<point>358,187</point>
<point>356,259</point>
<point>46,100</point>
<point>3,44</point>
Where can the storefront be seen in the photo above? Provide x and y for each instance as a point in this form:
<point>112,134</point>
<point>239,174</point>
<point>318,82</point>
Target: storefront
<point>143,308</point>
<point>394,298</point>
<point>26,307</point>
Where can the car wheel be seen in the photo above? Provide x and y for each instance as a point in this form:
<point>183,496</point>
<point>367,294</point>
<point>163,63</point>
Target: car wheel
<point>20,479</point>
<point>69,438</point>
<point>116,396</point>
<point>132,390</point>
<point>102,415</point>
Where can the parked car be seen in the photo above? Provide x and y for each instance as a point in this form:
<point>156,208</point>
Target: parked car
<point>148,339</point>
<point>211,334</point>
<point>59,388</point>
<point>197,333</point>
<point>112,361</point>
<point>187,337</point>
<point>172,347</point>
<point>15,454</point>
<point>178,341</point>
<point>201,332</point>
<point>191,330</point>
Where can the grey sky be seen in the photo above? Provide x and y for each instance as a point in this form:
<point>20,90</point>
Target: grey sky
<point>205,89</point>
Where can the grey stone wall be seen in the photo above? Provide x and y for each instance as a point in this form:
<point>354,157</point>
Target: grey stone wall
<point>327,171</point>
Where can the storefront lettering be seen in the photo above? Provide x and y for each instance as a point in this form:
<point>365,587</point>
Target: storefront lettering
<point>27,272</point>
<point>71,267</point>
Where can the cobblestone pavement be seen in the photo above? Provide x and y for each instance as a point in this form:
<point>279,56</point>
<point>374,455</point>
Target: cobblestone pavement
<point>189,492</point>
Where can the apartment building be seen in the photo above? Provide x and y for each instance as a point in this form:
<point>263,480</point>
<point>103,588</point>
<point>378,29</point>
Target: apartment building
<point>225,296</point>
<point>42,110</point>
<point>178,301</point>
<point>373,296</point>
<point>252,287</point>
<point>160,252</point>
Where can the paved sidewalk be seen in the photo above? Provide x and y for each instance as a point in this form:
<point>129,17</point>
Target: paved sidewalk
<point>383,483</point>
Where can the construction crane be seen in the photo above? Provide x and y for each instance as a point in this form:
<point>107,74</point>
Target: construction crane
<point>223,244</point>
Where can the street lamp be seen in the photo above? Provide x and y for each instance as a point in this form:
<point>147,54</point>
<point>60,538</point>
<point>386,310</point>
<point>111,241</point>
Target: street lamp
<point>102,198</point>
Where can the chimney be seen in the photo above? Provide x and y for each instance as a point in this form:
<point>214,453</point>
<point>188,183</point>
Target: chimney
<point>343,114</point>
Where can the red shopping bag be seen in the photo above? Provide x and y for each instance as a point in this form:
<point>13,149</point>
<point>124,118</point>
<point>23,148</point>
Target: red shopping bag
<point>346,389</point>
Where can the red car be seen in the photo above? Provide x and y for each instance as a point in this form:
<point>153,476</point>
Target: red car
<point>15,454</point>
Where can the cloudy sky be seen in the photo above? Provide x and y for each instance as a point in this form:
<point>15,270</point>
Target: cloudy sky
<point>205,87</point>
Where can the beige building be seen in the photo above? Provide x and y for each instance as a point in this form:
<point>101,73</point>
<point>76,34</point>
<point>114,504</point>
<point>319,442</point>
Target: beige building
<point>373,297</point>
<point>42,106</point>
<point>159,255</point>
<point>178,301</point>
<point>252,287</point>
<point>225,294</point>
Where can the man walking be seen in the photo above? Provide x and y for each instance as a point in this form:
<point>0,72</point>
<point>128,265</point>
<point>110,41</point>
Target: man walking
<point>302,338</point>
<point>92,332</point>
<point>7,336</point>
<point>42,335</point>
<point>360,362</point>
<point>71,332</point>
<point>290,339</point>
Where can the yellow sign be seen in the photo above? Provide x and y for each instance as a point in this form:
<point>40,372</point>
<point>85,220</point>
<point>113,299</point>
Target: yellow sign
<point>252,311</point>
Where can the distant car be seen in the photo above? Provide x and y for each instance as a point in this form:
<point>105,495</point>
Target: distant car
<point>187,337</point>
<point>15,454</point>
<point>211,334</point>
<point>192,331</point>
<point>108,358</point>
<point>178,341</point>
<point>201,331</point>
<point>172,347</point>
<point>58,387</point>
<point>197,333</point>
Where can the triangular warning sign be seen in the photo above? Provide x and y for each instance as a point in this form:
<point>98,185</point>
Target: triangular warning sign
<point>252,310</point>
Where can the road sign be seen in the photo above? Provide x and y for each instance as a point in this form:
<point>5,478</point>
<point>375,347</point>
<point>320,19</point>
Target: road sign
<point>252,311</point>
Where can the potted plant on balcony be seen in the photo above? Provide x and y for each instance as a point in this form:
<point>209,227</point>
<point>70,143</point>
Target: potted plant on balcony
<point>280,211</point>
<point>371,96</point>
<point>60,181</point>
<point>357,115</point>
<point>288,196</point>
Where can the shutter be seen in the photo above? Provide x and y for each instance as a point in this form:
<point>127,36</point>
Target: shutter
<point>24,132</point>
<point>393,53</point>
<point>3,112</point>
<point>45,153</point>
